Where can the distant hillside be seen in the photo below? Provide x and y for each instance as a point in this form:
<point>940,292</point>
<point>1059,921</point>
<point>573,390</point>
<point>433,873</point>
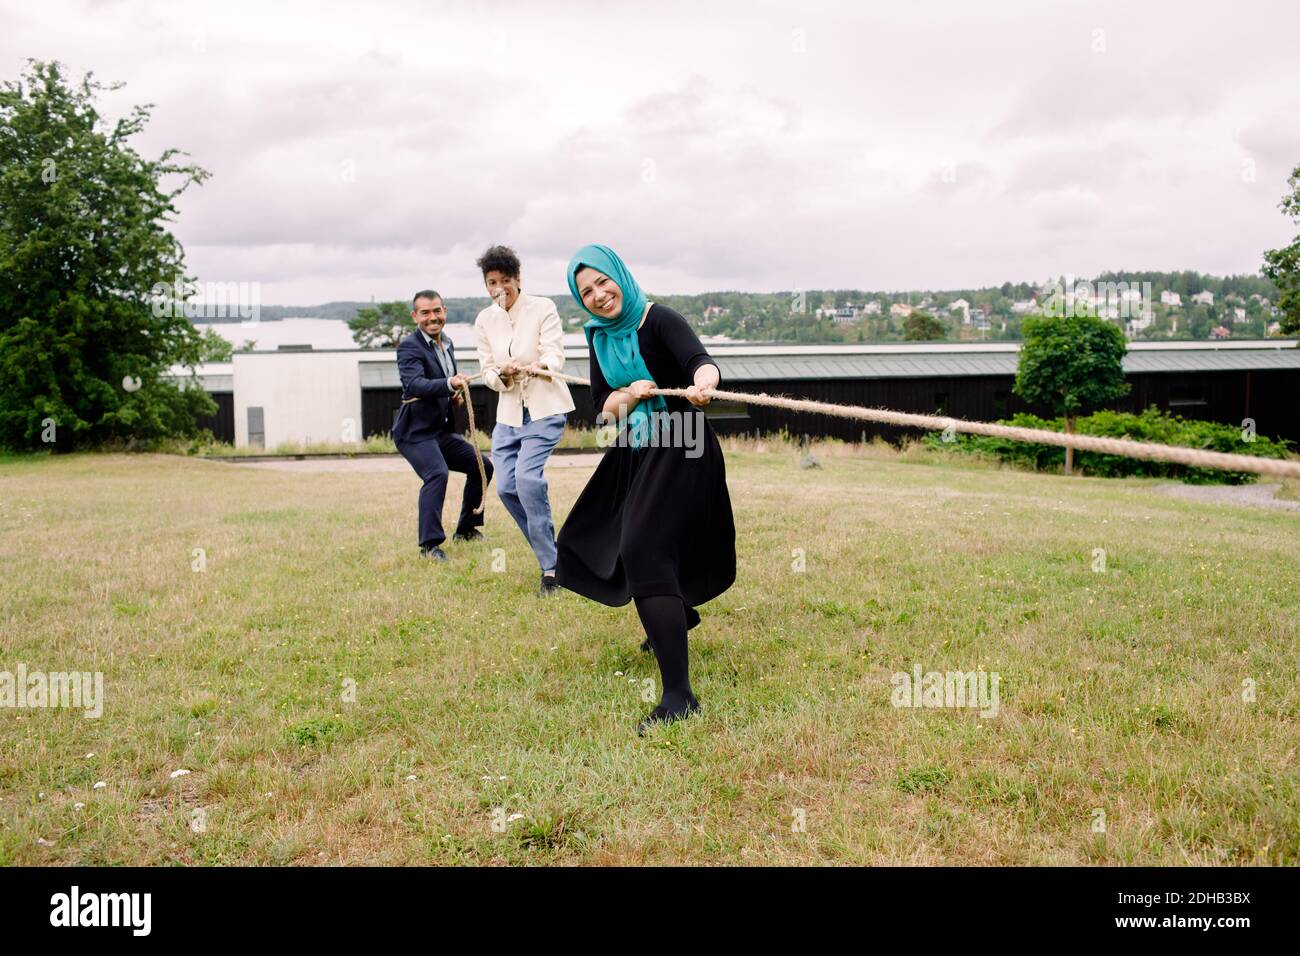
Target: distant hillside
<point>458,310</point>
<point>991,313</point>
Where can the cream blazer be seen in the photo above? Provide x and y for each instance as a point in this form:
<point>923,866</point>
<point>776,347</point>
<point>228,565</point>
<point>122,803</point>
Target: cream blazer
<point>529,332</point>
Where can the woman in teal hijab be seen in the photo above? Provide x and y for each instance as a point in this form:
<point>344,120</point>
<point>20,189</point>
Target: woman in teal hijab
<point>654,524</point>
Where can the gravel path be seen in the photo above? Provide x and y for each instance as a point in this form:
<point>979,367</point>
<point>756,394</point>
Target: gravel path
<point>1259,496</point>
<point>374,463</point>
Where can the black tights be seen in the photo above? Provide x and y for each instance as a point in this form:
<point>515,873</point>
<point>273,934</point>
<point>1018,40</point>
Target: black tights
<point>664,618</point>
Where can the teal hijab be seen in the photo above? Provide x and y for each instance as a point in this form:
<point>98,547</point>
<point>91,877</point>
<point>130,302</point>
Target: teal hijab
<point>614,340</point>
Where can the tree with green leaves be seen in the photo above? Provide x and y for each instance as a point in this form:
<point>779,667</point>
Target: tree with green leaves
<point>85,350</point>
<point>1283,265</point>
<point>213,347</point>
<point>381,326</point>
<point>923,327</point>
<point>1073,365</point>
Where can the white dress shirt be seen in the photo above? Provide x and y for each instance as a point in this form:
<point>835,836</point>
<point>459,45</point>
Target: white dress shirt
<point>530,332</point>
<point>440,351</point>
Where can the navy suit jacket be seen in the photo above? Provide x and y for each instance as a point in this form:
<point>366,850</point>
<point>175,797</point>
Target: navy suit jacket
<point>423,379</point>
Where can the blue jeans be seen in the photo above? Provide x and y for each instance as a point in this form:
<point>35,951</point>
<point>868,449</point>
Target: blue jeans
<point>520,455</point>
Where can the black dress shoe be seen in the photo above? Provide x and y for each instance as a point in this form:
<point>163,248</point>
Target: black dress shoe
<point>548,586</point>
<point>473,534</point>
<point>662,715</point>
<point>433,554</point>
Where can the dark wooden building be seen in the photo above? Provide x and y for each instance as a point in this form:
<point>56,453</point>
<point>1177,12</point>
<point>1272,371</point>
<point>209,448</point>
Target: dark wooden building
<point>1218,381</point>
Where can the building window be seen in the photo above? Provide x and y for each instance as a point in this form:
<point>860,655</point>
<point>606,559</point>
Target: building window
<point>726,410</point>
<point>1187,396</point>
<point>256,426</point>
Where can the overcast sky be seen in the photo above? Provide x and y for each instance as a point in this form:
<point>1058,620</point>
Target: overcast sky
<point>370,149</point>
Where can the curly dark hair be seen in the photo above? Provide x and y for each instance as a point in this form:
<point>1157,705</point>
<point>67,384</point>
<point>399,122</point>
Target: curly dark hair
<point>499,259</point>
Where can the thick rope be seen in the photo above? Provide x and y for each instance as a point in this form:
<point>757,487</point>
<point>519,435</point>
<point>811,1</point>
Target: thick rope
<point>1193,457</point>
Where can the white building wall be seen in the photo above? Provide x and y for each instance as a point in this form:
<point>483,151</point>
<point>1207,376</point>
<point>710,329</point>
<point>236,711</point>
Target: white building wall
<point>304,396</point>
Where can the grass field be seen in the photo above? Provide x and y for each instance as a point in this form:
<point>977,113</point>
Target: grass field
<point>489,726</point>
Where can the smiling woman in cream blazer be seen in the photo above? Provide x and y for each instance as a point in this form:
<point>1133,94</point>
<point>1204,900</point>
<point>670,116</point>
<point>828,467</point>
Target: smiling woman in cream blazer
<point>519,339</point>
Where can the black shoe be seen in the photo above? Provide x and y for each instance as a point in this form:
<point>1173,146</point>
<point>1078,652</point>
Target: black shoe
<point>662,715</point>
<point>433,554</point>
<point>473,534</point>
<point>647,646</point>
<point>548,586</point>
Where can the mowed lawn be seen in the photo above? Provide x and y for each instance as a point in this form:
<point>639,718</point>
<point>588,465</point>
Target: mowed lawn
<point>339,701</point>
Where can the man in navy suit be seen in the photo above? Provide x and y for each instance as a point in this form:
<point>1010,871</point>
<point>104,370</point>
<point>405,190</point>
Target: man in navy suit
<point>425,431</point>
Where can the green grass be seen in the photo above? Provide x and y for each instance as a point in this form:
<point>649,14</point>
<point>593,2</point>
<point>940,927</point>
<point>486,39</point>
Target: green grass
<point>487,726</point>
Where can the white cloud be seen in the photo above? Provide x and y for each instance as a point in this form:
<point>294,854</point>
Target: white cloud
<point>367,150</point>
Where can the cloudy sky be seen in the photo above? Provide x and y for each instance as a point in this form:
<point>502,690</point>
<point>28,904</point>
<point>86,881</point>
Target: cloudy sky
<point>369,149</point>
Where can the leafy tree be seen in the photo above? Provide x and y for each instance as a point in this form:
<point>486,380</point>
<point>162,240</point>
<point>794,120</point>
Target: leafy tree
<point>922,327</point>
<point>1283,265</point>
<point>86,343</point>
<point>1072,365</point>
<point>214,348</point>
<point>381,326</point>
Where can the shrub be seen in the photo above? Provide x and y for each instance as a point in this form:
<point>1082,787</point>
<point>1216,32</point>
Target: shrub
<point>1152,425</point>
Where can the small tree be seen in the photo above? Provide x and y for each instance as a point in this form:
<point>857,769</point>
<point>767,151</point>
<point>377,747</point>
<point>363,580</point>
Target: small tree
<point>84,247</point>
<point>381,326</point>
<point>1073,365</point>
<point>922,327</point>
<point>213,347</point>
<point>1283,265</point>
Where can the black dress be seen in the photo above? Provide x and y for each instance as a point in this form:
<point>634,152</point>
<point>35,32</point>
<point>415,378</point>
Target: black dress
<point>656,519</point>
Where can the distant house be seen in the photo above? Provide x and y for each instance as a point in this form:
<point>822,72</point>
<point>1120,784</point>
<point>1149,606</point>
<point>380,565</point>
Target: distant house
<point>1220,332</point>
<point>1141,322</point>
<point>1239,314</point>
<point>826,312</point>
<point>1204,298</point>
<point>962,306</point>
<point>714,311</point>
<point>1024,306</point>
<point>1170,298</point>
<point>872,307</point>
<point>846,315</point>
<point>900,310</point>
<point>1274,328</point>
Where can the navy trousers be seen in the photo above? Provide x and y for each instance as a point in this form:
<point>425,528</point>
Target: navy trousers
<point>432,459</point>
